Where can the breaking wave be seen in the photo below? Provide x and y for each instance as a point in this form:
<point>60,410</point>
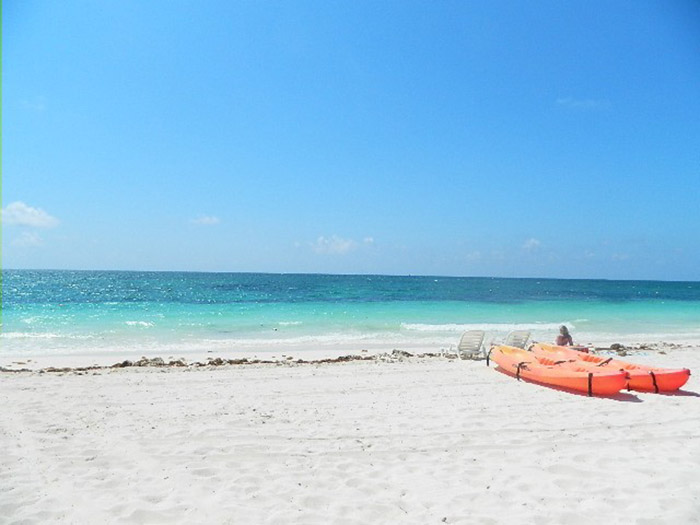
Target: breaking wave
<point>496,327</point>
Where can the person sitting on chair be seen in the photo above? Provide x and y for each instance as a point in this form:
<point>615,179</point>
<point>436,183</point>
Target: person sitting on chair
<point>564,337</point>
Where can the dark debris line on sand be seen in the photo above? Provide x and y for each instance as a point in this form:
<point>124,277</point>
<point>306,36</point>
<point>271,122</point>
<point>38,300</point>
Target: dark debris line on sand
<point>158,362</point>
<point>393,356</point>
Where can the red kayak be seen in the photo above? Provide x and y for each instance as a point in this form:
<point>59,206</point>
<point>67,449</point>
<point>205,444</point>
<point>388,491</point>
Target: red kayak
<point>641,377</point>
<point>570,375</point>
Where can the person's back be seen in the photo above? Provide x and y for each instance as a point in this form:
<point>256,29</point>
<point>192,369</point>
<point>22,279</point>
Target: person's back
<point>564,338</point>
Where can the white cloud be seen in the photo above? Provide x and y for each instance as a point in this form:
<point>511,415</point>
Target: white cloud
<point>498,255</point>
<point>368,241</point>
<point>206,220</point>
<point>333,245</point>
<point>28,239</point>
<point>18,213</point>
<point>37,104</point>
<point>582,104</point>
<point>531,244</point>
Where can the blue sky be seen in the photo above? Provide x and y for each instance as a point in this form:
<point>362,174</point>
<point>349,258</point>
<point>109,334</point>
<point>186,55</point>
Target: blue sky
<point>557,139</point>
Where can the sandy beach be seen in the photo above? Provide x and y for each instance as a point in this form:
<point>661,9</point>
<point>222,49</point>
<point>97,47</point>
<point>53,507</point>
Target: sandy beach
<point>394,440</point>
<point>242,244</point>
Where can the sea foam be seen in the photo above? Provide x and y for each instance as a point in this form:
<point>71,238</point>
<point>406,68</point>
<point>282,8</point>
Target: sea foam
<point>496,327</point>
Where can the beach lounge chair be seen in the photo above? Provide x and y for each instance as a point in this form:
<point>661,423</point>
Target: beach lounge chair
<point>517,338</point>
<point>470,344</point>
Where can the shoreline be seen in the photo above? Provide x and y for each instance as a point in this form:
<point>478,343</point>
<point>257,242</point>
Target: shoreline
<point>102,361</point>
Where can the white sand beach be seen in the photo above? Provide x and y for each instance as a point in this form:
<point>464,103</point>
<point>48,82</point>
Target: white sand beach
<point>417,440</point>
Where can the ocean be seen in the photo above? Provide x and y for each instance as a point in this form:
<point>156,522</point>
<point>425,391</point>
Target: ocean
<point>169,313</point>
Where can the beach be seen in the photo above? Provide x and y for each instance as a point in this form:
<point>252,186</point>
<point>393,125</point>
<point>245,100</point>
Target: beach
<point>246,249</point>
<point>377,439</point>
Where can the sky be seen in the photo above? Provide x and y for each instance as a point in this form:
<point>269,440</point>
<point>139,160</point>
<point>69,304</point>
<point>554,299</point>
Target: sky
<point>499,138</point>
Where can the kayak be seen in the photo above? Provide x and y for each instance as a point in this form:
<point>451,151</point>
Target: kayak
<point>641,377</point>
<point>568,374</point>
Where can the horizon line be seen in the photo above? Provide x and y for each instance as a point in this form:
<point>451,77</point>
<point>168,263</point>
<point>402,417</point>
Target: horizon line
<point>233,272</point>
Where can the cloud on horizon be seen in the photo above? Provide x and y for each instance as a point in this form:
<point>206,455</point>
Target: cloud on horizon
<point>531,244</point>
<point>333,245</point>
<point>206,220</point>
<point>28,239</point>
<point>19,214</point>
<point>336,245</point>
<point>37,104</point>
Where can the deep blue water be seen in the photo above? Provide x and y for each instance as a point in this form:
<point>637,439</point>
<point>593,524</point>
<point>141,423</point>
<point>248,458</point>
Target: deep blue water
<point>51,287</point>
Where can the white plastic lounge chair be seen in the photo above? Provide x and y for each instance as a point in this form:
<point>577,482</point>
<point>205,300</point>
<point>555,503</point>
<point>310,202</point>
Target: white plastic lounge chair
<point>517,338</point>
<point>470,345</point>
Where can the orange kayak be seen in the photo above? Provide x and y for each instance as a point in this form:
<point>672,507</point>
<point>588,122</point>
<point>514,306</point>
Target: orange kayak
<point>643,378</point>
<point>569,374</point>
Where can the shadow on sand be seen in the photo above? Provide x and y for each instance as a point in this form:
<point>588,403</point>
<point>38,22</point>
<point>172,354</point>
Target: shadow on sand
<point>676,393</point>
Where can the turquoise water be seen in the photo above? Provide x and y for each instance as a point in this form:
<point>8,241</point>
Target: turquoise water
<point>47,312</point>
